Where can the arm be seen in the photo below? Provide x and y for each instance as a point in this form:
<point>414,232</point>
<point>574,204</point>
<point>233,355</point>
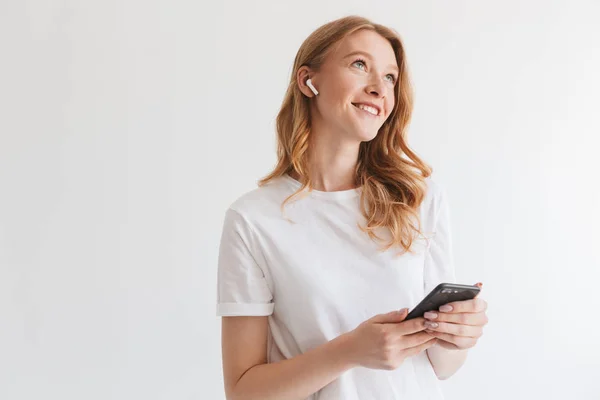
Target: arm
<point>459,330</point>
<point>439,267</point>
<point>247,375</point>
<point>446,362</point>
<point>244,301</point>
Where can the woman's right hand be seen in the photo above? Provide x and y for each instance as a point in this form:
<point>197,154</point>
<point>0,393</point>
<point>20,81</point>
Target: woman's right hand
<point>385,340</point>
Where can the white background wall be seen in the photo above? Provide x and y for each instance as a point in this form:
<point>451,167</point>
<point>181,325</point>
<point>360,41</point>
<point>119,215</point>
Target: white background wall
<point>128,127</point>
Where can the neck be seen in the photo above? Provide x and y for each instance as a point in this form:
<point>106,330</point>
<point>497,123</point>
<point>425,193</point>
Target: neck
<point>332,162</point>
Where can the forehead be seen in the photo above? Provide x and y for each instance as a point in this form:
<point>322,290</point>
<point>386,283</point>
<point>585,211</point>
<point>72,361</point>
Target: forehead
<point>369,42</point>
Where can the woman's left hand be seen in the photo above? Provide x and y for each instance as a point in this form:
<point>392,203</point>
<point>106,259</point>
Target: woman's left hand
<point>461,327</point>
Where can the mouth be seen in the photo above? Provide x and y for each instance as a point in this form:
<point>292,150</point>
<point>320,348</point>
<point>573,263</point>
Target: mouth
<point>368,109</point>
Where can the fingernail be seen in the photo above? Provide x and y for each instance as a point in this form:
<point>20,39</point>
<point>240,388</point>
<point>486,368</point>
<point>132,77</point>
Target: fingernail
<point>430,315</point>
<point>430,324</point>
<point>445,308</point>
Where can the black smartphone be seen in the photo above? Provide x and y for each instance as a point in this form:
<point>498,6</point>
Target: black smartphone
<point>443,293</point>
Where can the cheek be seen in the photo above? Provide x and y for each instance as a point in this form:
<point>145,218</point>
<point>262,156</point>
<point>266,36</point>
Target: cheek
<point>346,88</point>
<point>338,98</point>
<point>389,105</point>
<point>343,95</point>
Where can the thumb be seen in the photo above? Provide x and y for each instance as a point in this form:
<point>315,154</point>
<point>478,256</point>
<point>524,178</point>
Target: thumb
<point>391,317</point>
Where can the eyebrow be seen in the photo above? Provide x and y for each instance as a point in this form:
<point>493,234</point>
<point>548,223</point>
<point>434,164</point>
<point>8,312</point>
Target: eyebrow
<point>367,55</point>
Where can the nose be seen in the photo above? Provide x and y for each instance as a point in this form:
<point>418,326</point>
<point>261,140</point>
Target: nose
<point>376,88</point>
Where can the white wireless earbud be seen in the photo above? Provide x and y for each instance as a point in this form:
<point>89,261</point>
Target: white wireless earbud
<point>310,85</point>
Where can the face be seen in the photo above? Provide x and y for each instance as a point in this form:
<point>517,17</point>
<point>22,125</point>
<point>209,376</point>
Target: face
<point>356,87</point>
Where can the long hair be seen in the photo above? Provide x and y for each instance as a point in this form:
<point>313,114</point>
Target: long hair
<point>393,187</point>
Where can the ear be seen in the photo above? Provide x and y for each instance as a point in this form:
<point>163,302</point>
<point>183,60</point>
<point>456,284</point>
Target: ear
<point>303,74</point>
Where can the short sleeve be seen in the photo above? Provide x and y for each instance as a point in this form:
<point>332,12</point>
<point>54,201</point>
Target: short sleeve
<point>439,258</point>
<point>242,289</point>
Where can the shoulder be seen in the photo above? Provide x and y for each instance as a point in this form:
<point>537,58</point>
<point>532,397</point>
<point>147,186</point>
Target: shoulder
<point>262,201</point>
<point>435,200</point>
<point>435,191</point>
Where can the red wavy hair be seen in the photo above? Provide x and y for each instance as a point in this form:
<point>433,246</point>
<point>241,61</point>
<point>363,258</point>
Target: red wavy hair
<point>393,186</point>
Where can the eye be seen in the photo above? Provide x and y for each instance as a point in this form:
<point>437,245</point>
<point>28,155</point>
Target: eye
<point>360,60</point>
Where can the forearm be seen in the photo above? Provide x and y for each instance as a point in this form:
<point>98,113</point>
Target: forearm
<point>298,377</point>
<point>446,362</point>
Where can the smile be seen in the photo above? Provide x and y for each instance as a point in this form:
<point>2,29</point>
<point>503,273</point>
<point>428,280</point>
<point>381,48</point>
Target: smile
<point>367,109</point>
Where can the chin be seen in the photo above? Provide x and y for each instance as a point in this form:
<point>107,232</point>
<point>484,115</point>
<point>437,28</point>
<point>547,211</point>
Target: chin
<point>367,136</point>
<point>360,134</point>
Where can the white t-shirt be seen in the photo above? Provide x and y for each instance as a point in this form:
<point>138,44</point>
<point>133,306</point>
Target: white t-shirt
<point>321,277</point>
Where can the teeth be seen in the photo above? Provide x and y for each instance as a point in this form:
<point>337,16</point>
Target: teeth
<point>368,108</point>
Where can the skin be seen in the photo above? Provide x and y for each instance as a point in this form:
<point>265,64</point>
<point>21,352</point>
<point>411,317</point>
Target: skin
<point>461,327</point>
<point>337,130</point>
<point>338,127</point>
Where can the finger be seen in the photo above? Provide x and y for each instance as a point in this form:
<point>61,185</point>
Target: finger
<point>472,306</point>
<point>412,351</point>
<point>391,317</point>
<point>462,342</point>
<point>411,326</point>
<point>480,286</point>
<point>458,330</point>
<point>415,339</point>
<point>475,319</point>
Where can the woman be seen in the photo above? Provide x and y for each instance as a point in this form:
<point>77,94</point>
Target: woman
<point>315,263</point>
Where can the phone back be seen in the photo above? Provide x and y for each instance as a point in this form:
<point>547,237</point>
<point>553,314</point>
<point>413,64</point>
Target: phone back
<point>443,293</point>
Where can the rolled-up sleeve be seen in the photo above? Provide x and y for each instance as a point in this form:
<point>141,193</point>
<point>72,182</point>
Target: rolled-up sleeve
<point>242,289</point>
